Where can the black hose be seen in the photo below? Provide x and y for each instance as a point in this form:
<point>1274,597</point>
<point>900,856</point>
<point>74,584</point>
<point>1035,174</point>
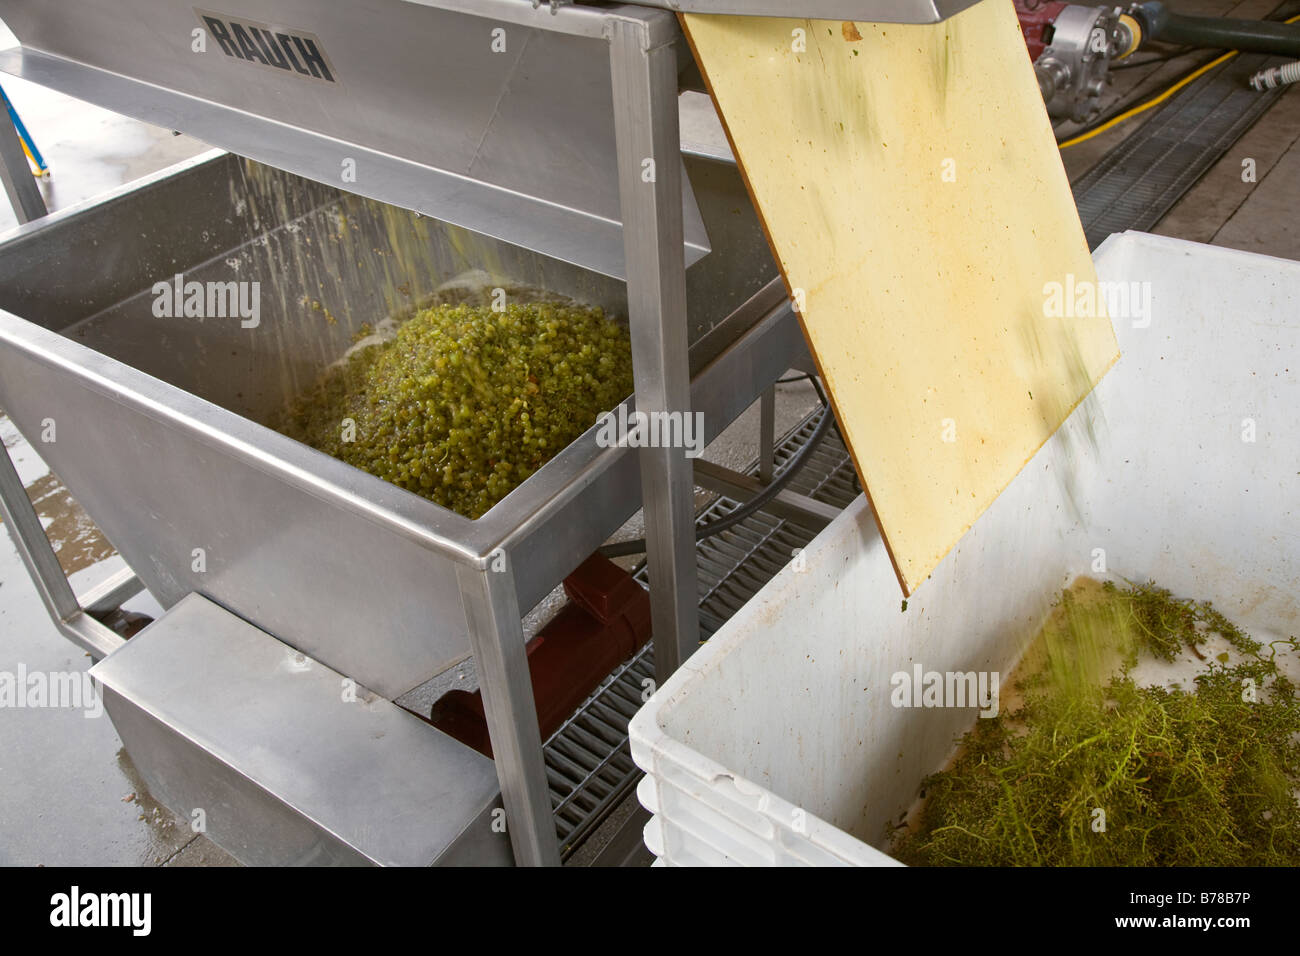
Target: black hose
<point>1252,36</point>
<point>770,491</point>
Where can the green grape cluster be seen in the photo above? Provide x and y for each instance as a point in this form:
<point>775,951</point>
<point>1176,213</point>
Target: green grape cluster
<point>465,402</point>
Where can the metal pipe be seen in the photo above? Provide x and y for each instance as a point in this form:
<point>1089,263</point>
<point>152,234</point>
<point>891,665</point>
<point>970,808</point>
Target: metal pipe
<point>1217,33</point>
<point>17,177</point>
<point>1276,76</point>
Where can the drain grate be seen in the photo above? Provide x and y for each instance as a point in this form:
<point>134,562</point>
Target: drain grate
<point>735,564</point>
<point>588,765</point>
<point>1141,179</point>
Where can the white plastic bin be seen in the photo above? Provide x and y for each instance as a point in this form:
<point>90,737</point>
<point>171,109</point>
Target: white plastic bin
<point>777,742</point>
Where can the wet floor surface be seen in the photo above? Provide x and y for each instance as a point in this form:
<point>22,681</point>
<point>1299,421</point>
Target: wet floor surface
<point>69,794</point>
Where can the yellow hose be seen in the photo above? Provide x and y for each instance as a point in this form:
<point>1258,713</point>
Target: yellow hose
<point>1154,101</point>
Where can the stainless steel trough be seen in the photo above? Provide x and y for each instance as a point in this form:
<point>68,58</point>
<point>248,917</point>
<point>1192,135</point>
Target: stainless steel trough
<point>161,423</point>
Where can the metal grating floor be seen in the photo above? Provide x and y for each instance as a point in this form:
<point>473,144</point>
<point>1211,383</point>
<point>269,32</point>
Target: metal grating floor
<point>1141,179</point>
<point>588,764</point>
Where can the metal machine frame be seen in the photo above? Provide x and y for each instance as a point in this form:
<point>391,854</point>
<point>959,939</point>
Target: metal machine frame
<point>643,72</point>
<point>643,47</point>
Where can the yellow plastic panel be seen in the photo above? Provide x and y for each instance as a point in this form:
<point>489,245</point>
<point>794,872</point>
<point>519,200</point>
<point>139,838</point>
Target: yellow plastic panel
<point>914,198</point>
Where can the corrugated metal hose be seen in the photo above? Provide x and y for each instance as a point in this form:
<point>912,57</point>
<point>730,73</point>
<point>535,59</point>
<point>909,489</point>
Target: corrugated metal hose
<point>1276,76</point>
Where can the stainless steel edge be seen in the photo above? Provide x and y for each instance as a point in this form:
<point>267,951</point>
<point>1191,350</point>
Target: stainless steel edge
<point>576,17</point>
<point>878,11</point>
<point>570,18</point>
<point>53,219</point>
<point>110,593</point>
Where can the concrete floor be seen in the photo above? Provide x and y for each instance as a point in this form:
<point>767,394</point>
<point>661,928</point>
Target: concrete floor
<point>68,792</point>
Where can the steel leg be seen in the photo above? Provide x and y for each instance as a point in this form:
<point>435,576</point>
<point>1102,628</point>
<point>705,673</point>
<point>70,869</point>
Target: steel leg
<point>111,593</point>
<point>767,435</point>
<point>19,182</point>
<point>497,637</point>
<point>650,190</point>
<point>43,566</point>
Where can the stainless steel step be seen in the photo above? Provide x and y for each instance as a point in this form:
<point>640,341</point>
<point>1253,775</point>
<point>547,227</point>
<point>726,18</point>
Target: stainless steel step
<point>200,699</point>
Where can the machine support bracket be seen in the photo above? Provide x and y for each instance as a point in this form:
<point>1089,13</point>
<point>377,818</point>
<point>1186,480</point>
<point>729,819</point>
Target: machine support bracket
<point>19,183</point>
<point>43,566</point>
<point>497,635</point>
<point>650,186</point>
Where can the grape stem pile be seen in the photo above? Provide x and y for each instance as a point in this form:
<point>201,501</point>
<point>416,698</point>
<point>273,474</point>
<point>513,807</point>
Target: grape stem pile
<point>1107,772</point>
<point>464,403</point>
